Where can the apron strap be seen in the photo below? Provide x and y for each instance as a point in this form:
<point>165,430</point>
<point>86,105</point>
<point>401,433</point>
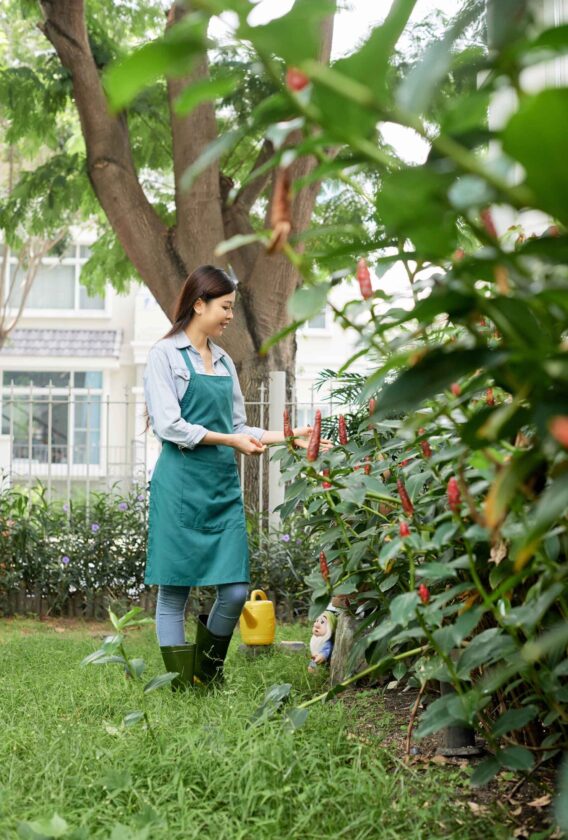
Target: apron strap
<point>189,363</point>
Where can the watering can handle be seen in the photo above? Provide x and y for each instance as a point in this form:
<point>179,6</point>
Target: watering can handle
<point>258,595</point>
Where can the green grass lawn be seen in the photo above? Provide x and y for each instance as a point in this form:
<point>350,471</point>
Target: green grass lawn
<point>209,774</point>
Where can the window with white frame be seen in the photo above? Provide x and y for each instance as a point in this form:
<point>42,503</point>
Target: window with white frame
<point>319,321</point>
<point>53,416</point>
<point>56,285</point>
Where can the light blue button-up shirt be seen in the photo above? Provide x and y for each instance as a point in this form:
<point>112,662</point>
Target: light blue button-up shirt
<point>166,379</point>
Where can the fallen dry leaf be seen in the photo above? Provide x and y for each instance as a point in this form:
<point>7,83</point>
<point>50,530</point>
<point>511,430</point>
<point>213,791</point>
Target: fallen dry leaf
<point>541,802</point>
<point>476,808</point>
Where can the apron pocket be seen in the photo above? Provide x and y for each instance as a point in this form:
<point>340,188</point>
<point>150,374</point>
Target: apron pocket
<point>211,504</point>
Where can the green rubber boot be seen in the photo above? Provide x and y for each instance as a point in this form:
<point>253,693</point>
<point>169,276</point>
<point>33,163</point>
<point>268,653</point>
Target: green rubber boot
<point>180,658</point>
<point>210,653</point>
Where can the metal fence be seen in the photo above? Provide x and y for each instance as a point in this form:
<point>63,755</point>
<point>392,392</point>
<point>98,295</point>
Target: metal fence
<point>80,441</point>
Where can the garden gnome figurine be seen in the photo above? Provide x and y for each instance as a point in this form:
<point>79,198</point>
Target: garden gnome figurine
<point>321,643</point>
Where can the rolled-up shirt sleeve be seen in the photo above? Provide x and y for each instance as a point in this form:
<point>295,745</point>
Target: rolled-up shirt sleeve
<point>163,405</point>
<point>239,413</point>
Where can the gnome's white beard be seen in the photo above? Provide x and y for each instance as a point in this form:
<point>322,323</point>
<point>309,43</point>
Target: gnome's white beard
<point>317,642</point>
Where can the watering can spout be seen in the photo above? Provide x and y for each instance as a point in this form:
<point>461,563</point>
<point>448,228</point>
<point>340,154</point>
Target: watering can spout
<point>258,621</point>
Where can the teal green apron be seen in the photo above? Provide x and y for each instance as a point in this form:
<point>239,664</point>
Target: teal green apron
<point>196,527</point>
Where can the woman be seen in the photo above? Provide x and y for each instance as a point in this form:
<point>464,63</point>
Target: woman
<point>196,530</point>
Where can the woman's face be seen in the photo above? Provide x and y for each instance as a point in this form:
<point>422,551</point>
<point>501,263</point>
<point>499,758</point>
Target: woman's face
<point>214,316</point>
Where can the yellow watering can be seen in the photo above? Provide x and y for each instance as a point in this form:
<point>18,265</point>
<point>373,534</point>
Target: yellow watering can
<point>258,621</point>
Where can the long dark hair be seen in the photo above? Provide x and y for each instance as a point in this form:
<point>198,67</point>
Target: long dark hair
<point>206,282</point>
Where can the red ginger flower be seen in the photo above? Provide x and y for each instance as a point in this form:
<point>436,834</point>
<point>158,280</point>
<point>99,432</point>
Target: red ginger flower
<point>364,278</point>
<point>424,593</point>
<point>403,529</point>
<point>455,388</point>
<point>424,445</point>
<point>315,438</point>
<point>489,398</point>
<point>454,495</point>
<point>343,438</point>
<point>295,79</point>
<point>558,427</point>
<point>324,568</point>
<point>407,505</point>
<point>326,485</point>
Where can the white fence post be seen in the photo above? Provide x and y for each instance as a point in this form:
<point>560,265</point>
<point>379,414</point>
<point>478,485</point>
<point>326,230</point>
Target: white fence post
<point>276,406</point>
<point>5,461</point>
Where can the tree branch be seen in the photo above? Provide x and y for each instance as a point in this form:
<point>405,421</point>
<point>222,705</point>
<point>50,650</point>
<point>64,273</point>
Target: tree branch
<point>110,165</point>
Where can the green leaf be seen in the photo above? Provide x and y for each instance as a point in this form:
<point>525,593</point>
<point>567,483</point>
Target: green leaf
<point>528,615</point>
<point>509,479</point>
<point>431,375</point>
<point>296,717</point>
<point>413,204</point>
<point>423,82</point>
<point>294,36</point>
<point>128,617</point>
<point>308,301</point>
<point>403,608</point>
<point>552,505</point>
<point>535,136</point>
<point>159,681</point>
<point>513,719</point>
<point>172,55</point>
<point>561,802</point>
<point>485,771</point>
<point>211,154</point>
<point>203,91</point>
<point>132,718</point>
<point>238,241</point>
<point>343,93</point>
<point>54,826</point>
<point>515,758</point>
<point>485,649</point>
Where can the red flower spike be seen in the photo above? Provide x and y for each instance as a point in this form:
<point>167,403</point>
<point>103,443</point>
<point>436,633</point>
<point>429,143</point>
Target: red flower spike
<point>367,469</point>
<point>424,593</point>
<point>454,495</point>
<point>407,505</point>
<point>324,568</point>
<point>403,529</point>
<point>315,438</point>
<point>288,432</point>
<point>364,278</point>
<point>558,427</point>
<point>326,485</point>
<point>425,447</point>
<point>488,223</point>
<point>458,255</point>
<point>295,79</point>
<point>342,427</point>
<point>455,388</point>
<point>489,398</point>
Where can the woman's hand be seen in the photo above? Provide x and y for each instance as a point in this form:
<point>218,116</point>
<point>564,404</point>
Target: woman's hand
<point>302,437</point>
<point>247,444</point>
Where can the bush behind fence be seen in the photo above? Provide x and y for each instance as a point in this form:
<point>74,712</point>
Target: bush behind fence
<point>73,559</point>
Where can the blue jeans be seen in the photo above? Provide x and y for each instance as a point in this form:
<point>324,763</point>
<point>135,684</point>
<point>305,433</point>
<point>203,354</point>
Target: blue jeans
<point>170,611</point>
